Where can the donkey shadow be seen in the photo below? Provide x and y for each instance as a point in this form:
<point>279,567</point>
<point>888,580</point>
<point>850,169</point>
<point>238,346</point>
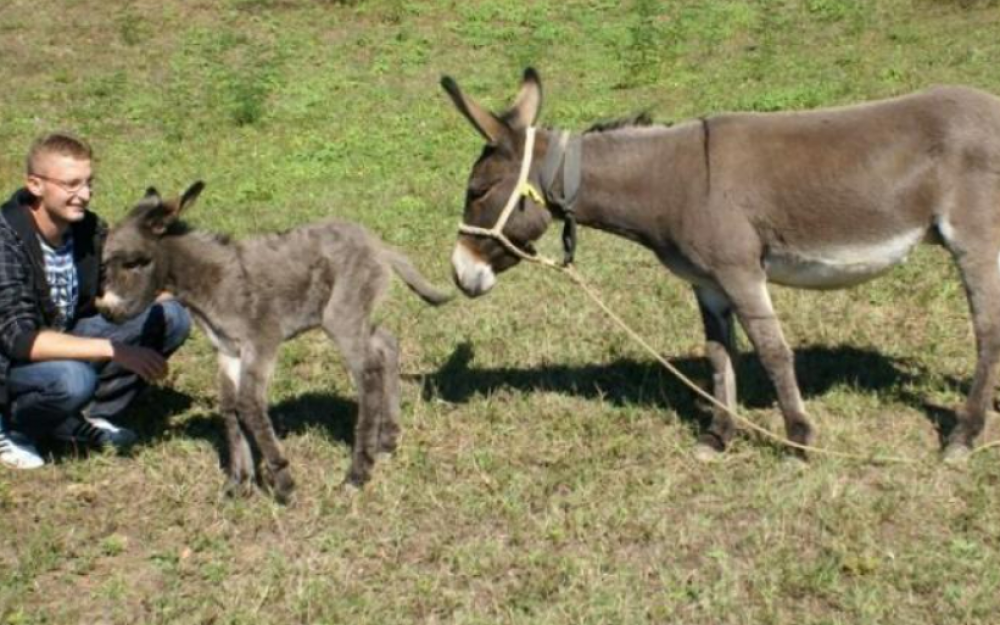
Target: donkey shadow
<point>329,413</point>
<point>624,382</point>
<point>646,383</point>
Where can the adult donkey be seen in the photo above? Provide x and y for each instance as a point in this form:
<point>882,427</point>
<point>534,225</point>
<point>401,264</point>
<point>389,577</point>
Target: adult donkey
<point>821,199</point>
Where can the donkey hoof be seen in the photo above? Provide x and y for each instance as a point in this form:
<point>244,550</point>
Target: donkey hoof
<point>237,488</point>
<point>703,452</point>
<point>357,479</point>
<point>796,462</point>
<point>956,454</point>
<point>350,489</point>
<point>284,486</point>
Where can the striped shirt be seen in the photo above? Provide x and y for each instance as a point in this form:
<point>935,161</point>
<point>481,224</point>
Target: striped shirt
<point>64,284</point>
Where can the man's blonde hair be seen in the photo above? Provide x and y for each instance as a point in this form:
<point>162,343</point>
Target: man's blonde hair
<point>61,143</point>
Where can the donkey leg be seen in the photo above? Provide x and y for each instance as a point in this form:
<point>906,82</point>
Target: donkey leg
<point>981,277</point>
<point>752,303</point>
<point>256,366</point>
<point>240,462</point>
<point>720,348</point>
<point>384,344</point>
<point>351,333</point>
<point>346,321</point>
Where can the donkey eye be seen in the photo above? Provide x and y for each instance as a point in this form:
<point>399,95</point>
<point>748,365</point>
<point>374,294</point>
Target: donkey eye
<point>475,194</point>
<point>135,263</point>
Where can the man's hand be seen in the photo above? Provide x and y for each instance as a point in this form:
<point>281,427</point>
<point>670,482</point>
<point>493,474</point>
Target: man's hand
<point>145,362</point>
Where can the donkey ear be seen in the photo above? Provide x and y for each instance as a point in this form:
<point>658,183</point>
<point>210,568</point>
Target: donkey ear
<point>157,220</point>
<point>189,196</point>
<point>528,102</point>
<point>164,214</point>
<point>151,192</point>
<point>488,125</point>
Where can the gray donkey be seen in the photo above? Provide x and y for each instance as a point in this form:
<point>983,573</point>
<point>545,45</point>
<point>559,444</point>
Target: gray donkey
<point>250,296</point>
<point>818,199</point>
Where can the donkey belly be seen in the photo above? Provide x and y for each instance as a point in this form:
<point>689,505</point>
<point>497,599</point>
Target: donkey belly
<point>840,266</point>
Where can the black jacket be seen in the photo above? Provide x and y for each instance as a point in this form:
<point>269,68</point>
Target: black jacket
<point>25,304</point>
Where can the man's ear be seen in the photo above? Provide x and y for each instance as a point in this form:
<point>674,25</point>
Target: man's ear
<point>33,185</point>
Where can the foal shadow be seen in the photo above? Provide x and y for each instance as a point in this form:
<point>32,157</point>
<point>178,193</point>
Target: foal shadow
<point>335,416</point>
<point>646,383</point>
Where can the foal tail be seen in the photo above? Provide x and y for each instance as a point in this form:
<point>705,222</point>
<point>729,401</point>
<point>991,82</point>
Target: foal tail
<point>413,279</point>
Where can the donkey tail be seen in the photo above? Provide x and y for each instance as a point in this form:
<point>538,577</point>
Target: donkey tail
<point>413,278</point>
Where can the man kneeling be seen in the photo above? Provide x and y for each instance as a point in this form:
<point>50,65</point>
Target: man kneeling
<point>65,371</point>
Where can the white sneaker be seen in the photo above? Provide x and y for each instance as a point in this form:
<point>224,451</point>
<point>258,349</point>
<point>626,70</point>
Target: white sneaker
<point>17,452</point>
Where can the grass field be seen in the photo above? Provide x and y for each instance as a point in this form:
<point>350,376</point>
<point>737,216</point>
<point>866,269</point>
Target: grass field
<point>545,473</point>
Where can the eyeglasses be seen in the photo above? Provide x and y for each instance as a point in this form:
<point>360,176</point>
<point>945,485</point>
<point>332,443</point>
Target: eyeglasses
<point>69,186</point>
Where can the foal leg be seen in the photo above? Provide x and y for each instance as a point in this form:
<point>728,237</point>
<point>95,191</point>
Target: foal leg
<point>978,265</point>
<point>240,461</point>
<point>345,320</point>
<point>752,302</point>
<point>385,346</point>
<point>256,366</point>
<point>720,348</point>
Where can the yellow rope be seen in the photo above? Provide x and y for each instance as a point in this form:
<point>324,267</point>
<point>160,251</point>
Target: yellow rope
<point>592,293</point>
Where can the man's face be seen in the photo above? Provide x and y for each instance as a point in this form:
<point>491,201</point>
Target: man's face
<point>63,183</point>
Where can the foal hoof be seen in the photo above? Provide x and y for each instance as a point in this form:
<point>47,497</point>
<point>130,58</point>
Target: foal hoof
<point>237,488</point>
<point>350,489</point>
<point>956,454</point>
<point>705,453</point>
<point>284,486</point>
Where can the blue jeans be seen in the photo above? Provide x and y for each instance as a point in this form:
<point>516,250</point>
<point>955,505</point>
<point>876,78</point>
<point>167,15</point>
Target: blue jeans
<point>43,394</point>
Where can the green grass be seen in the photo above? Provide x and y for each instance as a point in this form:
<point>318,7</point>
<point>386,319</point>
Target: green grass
<point>545,474</point>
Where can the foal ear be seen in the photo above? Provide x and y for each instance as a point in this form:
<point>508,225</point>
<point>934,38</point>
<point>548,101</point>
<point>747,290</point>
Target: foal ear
<point>151,192</point>
<point>166,213</point>
<point>488,125</point>
<point>528,102</point>
<point>190,195</point>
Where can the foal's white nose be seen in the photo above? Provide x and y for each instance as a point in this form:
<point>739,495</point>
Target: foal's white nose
<point>473,276</point>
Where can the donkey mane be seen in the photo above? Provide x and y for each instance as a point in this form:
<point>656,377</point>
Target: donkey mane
<point>640,119</point>
<point>182,228</point>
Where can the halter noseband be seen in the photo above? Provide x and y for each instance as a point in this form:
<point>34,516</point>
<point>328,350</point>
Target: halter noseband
<point>557,155</point>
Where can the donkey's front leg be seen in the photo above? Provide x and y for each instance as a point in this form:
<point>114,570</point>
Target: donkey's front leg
<point>240,461</point>
<point>747,291</point>
<point>720,348</point>
<point>256,367</point>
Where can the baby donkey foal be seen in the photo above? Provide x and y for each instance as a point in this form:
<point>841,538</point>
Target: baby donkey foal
<point>250,296</point>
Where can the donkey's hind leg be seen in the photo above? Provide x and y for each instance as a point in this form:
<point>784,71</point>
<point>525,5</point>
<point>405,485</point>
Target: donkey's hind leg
<point>240,462</point>
<point>978,264</point>
<point>720,348</point>
<point>346,321</point>
<point>385,348</point>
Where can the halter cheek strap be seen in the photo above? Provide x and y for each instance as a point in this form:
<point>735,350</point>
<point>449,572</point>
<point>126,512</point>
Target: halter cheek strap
<point>522,189</point>
<point>566,151</point>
